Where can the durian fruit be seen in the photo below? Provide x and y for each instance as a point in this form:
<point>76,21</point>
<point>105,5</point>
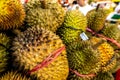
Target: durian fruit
<point>75,19</point>
<point>12,14</point>
<point>104,76</point>
<point>96,19</point>
<point>111,31</point>
<point>35,45</point>
<point>74,24</point>
<point>83,59</point>
<point>44,13</point>
<point>106,52</point>
<point>4,40</point>
<point>4,45</point>
<point>13,76</point>
<point>3,59</point>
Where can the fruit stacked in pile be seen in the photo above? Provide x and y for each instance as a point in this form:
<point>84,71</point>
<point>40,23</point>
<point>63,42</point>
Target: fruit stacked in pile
<point>41,41</point>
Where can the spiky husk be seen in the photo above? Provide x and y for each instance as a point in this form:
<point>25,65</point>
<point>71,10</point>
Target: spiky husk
<point>13,76</point>
<point>33,46</point>
<point>75,19</point>
<point>4,45</point>
<point>53,14</point>
<point>81,57</point>
<point>11,14</point>
<point>68,35</point>
<point>96,19</point>
<point>104,76</point>
<point>4,40</point>
<point>106,52</point>
<point>3,59</point>
<point>111,31</point>
<point>74,24</point>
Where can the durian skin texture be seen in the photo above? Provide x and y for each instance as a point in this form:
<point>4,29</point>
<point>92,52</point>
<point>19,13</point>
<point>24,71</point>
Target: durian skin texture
<point>12,14</point>
<point>81,58</point>
<point>51,17</point>
<point>75,19</point>
<point>3,59</point>
<point>104,76</point>
<point>13,76</point>
<point>111,31</point>
<point>96,19</point>
<point>33,46</point>
<point>74,24</point>
<point>4,45</point>
<point>107,54</point>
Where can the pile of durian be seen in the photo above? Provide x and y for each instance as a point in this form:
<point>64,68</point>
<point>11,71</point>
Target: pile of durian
<point>41,41</point>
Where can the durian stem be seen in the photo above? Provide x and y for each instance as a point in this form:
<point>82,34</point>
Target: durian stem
<point>82,75</point>
<point>43,4</point>
<point>98,6</point>
<point>48,60</point>
<point>102,36</point>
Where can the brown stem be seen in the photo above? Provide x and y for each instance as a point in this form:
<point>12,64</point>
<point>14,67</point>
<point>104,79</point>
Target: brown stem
<point>43,4</point>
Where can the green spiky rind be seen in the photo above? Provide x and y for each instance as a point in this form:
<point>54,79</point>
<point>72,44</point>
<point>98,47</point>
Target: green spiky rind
<point>53,15</point>
<point>58,12</point>
<point>106,52</point>
<point>111,31</point>
<point>117,66</point>
<point>13,76</point>
<point>33,46</point>
<point>32,4</point>
<point>4,40</point>
<point>4,45</point>
<point>75,19</point>
<point>3,59</point>
<point>96,19</point>
<point>81,57</point>
<point>48,22</point>
<point>104,76</point>
<point>12,14</point>
<point>68,35</point>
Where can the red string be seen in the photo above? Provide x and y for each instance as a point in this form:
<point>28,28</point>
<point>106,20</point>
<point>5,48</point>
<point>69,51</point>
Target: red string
<point>109,39</point>
<point>26,1</point>
<point>117,77</point>
<point>82,75</point>
<point>48,60</point>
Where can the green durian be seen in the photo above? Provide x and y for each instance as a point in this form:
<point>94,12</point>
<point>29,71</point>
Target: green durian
<point>46,14</point>
<point>4,45</point>
<point>12,14</point>
<point>83,59</point>
<point>4,40</point>
<point>13,76</point>
<point>68,35</point>
<point>111,31</point>
<point>74,24</point>
<point>106,52</point>
<point>75,19</point>
<point>104,76</point>
<point>3,59</point>
<point>35,45</point>
<point>96,19</point>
